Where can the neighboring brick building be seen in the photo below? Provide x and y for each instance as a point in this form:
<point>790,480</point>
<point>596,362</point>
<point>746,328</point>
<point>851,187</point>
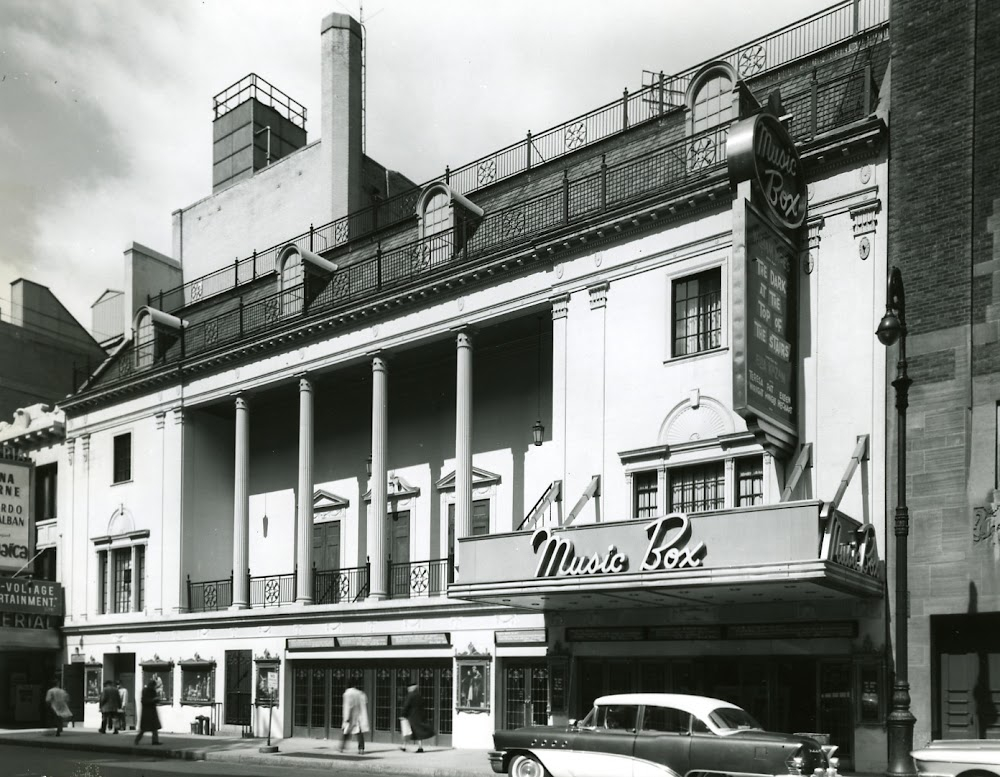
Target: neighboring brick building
<point>44,352</point>
<point>323,464</point>
<point>944,235</point>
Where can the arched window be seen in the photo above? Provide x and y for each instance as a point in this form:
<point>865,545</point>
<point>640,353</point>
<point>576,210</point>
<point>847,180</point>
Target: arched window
<point>290,284</point>
<point>713,103</point>
<point>437,214</point>
<point>145,341</point>
<point>710,105</point>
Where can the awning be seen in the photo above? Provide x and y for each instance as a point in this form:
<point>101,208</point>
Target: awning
<point>786,552</point>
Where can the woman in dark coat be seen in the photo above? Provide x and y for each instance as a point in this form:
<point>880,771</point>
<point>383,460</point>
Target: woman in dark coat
<point>149,720</point>
<point>413,713</point>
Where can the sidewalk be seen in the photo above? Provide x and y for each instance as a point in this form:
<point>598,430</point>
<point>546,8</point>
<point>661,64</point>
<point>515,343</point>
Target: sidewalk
<point>297,753</point>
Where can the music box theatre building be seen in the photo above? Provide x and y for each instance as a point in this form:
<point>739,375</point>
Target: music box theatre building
<point>601,411</point>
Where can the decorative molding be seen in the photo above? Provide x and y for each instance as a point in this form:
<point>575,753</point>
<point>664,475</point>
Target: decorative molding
<point>85,449</point>
<point>598,295</point>
<point>161,419</point>
<point>864,217</point>
<point>560,306</point>
<point>480,478</point>
<point>326,501</point>
<point>473,652</point>
<point>815,225</point>
<point>178,413</point>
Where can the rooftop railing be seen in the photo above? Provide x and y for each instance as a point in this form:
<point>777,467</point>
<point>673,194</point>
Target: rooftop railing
<point>659,94</point>
<point>672,167</point>
<point>254,86</point>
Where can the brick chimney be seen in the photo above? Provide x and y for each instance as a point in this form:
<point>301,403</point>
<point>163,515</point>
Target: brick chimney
<point>340,149</point>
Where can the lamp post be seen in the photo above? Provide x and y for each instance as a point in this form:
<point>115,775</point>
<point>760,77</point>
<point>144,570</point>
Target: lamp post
<point>891,328</point>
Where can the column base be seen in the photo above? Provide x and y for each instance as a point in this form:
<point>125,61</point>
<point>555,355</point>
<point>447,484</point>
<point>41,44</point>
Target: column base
<point>303,602</point>
<point>239,606</point>
<point>377,597</point>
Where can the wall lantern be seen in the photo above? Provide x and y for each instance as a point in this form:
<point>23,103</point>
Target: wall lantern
<point>537,430</point>
<point>368,466</point>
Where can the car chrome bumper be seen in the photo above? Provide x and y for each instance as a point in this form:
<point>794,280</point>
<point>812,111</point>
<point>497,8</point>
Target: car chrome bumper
<point>496,760</point>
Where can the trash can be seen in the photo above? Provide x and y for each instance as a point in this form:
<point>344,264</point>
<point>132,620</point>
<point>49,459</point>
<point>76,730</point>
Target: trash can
<point>202,722</point>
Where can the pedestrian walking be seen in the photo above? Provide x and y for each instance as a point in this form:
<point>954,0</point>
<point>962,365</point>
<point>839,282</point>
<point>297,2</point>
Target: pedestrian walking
<point>413,724</point>
<point>355,717</point>
<point>58,701</point>
<point>149,719</point>
<point>121,724</point>
<point>110,702</point>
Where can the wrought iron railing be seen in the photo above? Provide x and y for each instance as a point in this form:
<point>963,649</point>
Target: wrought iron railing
<point>333,586</point>
<point>271,590</point>
<point>413,579</point>
<point>658,94</point>
<point>210,595</point>
<point>675,166</point>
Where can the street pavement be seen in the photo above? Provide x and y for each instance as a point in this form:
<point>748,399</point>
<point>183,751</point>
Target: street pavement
<point>293,753</point>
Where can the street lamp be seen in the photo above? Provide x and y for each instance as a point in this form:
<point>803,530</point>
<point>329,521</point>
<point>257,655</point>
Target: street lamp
<point>891,328</point>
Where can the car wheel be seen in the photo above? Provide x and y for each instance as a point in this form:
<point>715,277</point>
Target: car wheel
<point>526,766</point>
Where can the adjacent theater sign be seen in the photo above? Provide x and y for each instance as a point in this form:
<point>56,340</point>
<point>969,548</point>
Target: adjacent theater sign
<point>17,537</point>
<point>768,213</point>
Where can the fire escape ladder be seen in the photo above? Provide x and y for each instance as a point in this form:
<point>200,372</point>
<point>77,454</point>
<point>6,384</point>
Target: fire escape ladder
<point>803,460</point>
<point>551,494</point>
<point>593,489</point>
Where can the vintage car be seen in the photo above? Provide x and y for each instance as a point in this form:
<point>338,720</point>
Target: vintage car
<point>959,758</point>
<point>662,734</point>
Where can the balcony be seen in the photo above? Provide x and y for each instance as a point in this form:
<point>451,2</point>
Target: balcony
<point>415,579</point>
<point>330,586</point>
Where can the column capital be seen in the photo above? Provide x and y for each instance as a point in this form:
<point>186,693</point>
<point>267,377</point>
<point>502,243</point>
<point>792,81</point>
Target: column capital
<point>465,336</point>
<point>560,306</point>
<point>598,295</point>
<point>178,413</point>
<point>241,402</point>
<point>305,382</point>
<point>161,419</point>
<point>380,363</point>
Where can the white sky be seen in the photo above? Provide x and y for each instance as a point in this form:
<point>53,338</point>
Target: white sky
<point>106,105</point>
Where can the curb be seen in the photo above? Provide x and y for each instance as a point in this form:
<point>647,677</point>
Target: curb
<point>92,747</point>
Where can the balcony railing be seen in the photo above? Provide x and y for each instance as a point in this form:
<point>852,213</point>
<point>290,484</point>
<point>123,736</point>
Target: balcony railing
<point>413,579</point>
<point>658,94</point>
<point>210,596</point>
<point>333,586</point>
<point>674,166</point>
<point>272,590</point>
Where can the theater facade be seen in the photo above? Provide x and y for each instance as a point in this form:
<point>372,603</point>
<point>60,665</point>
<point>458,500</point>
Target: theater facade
<point>601,411</point>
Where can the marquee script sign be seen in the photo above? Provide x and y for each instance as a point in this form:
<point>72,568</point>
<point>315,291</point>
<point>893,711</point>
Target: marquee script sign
<point>37,597</point>
<point>17,539</point>
<point>760,149</point>
<point>669,547</point>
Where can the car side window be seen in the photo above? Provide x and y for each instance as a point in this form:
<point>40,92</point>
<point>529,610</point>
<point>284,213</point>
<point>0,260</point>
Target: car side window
<point>698,726</point>
<point>666,720</point>
<point>617,717</point>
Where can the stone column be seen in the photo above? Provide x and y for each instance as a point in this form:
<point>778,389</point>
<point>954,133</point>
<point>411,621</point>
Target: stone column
<point>380,479</point>
<point>241,507</point>
<point>304,516</point>
<point>463,439</point>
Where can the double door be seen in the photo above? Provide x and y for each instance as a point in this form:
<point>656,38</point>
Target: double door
<point>318,690</point>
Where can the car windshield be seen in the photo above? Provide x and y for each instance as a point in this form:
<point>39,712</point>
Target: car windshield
<point>732,719</point>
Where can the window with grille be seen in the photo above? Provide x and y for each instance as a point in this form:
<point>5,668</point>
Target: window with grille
<point>239,687</point>
<point>749,481</point>
<point>122,579</point>
<point>437,224</point>
<point>697,488</point>
<point>644,493</point>
<point>697,312</point>
<point>122,458</point>
<point>290,281</point>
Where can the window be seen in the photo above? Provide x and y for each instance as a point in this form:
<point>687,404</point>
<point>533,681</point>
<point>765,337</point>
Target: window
<point>197,682</point>
<point>644,487</point>
<point>122,572</point>
<point>697,488</point>
<point>45,491</point>
<point>480,521</point>
<point>122,458</point>
<point>145,342</point>
<point>749,481</point>
<point>697,317</point>
<point>437,224</point>
<point>712,104</point>
<point>666,719</point>
<point>290,284</point>
<point>613,717</point>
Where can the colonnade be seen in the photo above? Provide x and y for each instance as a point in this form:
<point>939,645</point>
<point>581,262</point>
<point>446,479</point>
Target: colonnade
<point>377,527</point>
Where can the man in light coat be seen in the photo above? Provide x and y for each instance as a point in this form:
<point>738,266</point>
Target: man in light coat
<point>355,717</point>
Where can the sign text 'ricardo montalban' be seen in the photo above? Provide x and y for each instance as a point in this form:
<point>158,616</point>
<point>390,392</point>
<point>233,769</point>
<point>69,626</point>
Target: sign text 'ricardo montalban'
<point>16,526</point>
<point>669,547</point>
